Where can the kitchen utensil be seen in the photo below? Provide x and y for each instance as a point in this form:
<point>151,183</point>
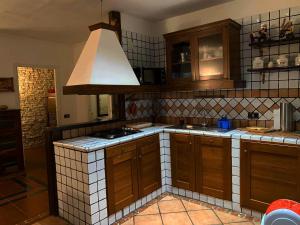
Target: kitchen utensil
<point>276,118</point>
<point>139,125</point>
<point>259,129</point>
<point>286,117</point>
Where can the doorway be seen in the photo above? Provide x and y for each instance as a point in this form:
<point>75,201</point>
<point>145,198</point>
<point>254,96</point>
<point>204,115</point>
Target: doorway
<point>38,111</point>
<point>24,195</point>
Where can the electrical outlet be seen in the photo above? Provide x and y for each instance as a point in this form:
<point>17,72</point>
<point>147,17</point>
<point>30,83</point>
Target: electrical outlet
<point>253,115</point>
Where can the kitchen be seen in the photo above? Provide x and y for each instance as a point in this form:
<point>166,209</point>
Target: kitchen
<point>200,128</point>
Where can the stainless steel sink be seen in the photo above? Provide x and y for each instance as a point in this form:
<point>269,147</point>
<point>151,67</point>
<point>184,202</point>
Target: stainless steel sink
<point>200,128</point>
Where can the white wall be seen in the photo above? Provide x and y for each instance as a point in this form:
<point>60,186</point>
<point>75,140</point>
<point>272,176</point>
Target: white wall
<point>23,51</point>
<point>134,24</point>
<point>234,9</point>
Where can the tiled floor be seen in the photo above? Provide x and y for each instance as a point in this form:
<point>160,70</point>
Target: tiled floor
<point>173,210</point>
<point>24,196</point>
<point>51,220</point>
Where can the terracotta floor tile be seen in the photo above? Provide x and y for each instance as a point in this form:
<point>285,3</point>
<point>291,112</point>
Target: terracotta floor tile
<point>128,222</point>
<point>256,222</point>
<point>33,205</point>
<point>204,217</point>
<point>227,217</point>
<point>240,223</point>
<point>11,187</point>
<point>148,220</point>
<point>168,198</point>
<point>181,218</point>
<point>171,206</point>
<point>9,215</point>
<point>152,209</point>
<point>52,220</point>
<point>191,206</point>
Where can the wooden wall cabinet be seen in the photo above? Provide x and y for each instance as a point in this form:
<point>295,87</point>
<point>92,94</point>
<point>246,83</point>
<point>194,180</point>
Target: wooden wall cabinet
<point>204,57</point>
<point>133,171</point>
<point>213,166</point>
<point>269,171</point>
<point>202,164</point>
<point>183,161</point>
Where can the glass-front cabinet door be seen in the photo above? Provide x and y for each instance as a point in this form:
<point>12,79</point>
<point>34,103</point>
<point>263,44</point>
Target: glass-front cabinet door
<point>210,63</point>
<point>180,62</point>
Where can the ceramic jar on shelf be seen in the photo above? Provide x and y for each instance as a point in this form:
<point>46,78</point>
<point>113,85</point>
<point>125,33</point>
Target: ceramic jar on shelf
<point>282,61</point>
<point>297,60</point>
<point>258,63</point>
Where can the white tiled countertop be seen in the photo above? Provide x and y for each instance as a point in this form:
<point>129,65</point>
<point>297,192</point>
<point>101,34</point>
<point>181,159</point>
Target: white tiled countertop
<point>87,144</point>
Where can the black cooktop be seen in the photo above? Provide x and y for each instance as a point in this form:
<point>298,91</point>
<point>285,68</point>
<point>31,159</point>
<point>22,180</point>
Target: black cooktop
<point>115,133</point>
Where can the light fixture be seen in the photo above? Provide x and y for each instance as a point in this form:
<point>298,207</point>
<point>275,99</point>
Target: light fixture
<point>102,61</point>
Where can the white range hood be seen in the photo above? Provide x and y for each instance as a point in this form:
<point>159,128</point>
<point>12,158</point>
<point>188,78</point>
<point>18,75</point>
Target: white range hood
<point>103,62</point>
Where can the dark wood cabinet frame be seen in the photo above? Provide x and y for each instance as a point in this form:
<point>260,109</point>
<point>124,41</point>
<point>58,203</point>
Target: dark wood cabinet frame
<point>135,156</point>
<point>191,176</point>
<point>230,31</point>
<point>287,175</point>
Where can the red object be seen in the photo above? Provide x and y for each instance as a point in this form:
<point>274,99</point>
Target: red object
<point>51,91</point>
<point>133,108</point>
<point>284,204</point>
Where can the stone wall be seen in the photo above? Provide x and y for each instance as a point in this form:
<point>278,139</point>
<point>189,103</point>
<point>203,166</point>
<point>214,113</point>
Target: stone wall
<point>34,84</point>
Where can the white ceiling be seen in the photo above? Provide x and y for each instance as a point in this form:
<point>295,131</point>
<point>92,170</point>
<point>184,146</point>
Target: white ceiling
<point>67,20</point>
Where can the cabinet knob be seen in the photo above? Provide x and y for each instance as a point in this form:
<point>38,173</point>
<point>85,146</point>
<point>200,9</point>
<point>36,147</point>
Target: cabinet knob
<point>245,150</point>
<point>140,156</point>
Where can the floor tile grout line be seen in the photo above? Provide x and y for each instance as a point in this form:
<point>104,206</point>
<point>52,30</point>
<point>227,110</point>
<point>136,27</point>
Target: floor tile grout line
<point>187,212</point>
<point>181,198</point>
<point>217,216</point>
<point>162,221</point>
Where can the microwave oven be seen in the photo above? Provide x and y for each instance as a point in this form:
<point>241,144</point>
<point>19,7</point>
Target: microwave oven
<point>150,75</point>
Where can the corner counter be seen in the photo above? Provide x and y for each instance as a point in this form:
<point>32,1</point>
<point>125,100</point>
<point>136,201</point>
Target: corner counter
<point>81,175</point>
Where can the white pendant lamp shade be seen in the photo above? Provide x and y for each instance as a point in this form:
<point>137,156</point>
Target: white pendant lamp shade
<point>103,62</point>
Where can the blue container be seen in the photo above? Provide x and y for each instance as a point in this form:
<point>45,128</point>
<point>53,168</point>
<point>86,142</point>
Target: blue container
<point>224,123</point>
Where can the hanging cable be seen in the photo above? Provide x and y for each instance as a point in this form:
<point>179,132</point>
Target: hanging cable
<point>101,8</point>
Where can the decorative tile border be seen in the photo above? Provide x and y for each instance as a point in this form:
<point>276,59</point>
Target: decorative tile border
<point>233,108</point>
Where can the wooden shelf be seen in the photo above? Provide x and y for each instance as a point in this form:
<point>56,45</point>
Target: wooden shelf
<point>180,64</point>
<point>274,69</point>
<point>271,43</point>
<point>211,59</point>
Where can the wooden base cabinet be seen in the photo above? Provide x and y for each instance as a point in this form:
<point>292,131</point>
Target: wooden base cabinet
<point>269,171</point>
<point>121,171</point>
<point>202,164</point>
<point>133,171</point>
<point>149,172</point>
<point>183,161</point>
<point>213,166</point>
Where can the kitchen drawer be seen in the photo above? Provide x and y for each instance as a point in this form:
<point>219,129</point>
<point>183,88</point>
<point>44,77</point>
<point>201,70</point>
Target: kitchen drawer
<point>212,141</point>
<point>121,149</point>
